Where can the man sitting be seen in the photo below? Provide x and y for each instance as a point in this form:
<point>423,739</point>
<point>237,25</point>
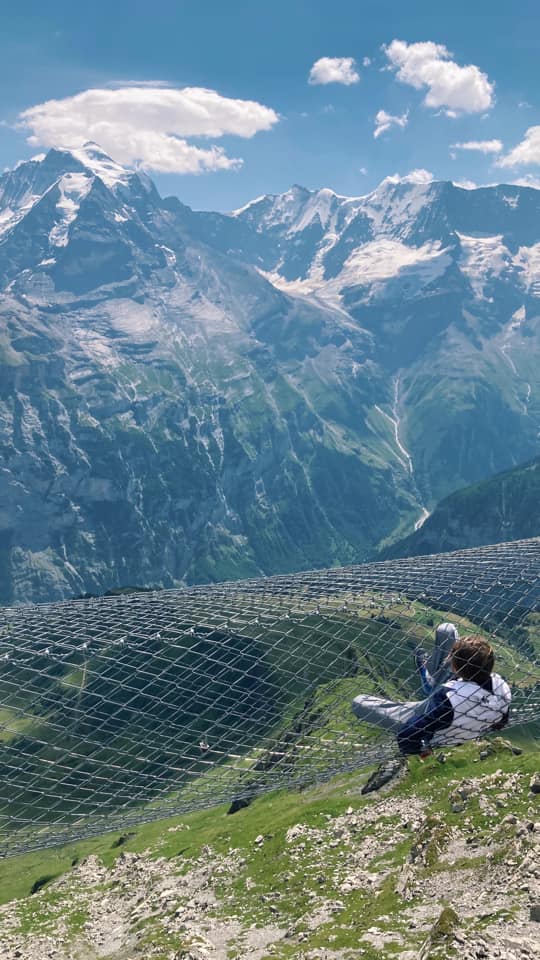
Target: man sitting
<point>466,699</point>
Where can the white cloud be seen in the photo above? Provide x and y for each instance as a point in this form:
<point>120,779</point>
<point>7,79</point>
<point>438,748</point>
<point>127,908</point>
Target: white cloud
<point>527,152</point>
<point>147,126</point>
<point>414,176</point>
<point>418,176</point>
<point>366,62</point>
<point>465,184</point>
<point>484,146</point>
<point>363,171</point>
<point>529,180</point>
<point>334,70</point>
<point>384,121</point>
<point>430,65</point>
<point>114,84</point>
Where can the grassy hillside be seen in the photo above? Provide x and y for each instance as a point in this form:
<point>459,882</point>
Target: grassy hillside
<point>193,715</point>
<point>120,739</point>
<point>504,508</point>
<point>442,864</point>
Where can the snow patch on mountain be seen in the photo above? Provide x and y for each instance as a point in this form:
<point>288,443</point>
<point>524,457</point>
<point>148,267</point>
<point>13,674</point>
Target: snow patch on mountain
<point>295,210</point>
<point>322,205</point>
<point>73,188</point>
<point>371,263</point>
<point>382,259</point>
<point>396,203</point>
<point>247,206</point>
<point>11,215</point>
<point>91,156</point>
<point>483,259</point>
<point>528,260</point>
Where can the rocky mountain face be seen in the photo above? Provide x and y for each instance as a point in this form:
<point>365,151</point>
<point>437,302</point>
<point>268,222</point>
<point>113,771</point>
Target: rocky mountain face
<point>446,282</point>
<point>192,396</point>
<point>506,507</point>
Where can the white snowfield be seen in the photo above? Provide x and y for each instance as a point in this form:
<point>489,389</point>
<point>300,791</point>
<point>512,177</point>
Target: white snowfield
<point>91,156</point>
<point>374,235</point>
<point>73,188</point>
<point>368,265</point>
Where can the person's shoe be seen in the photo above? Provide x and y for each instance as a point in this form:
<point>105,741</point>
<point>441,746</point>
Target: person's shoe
<point>425,750</point>
<point>420,657</point>
<point>446,632</point>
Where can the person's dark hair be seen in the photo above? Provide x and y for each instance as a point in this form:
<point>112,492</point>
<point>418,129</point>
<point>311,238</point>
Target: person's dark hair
<point>473,658</point>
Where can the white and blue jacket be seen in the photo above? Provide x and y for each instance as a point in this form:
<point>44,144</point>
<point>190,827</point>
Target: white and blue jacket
<point>456,711</point>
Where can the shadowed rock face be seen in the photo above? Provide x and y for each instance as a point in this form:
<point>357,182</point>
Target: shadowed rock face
<point>170,414</point>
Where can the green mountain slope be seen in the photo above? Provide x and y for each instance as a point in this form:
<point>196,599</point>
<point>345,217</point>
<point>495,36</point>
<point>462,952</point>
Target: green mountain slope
<point>443,864</point>
<point>125,731</point>
<point>504,508</point>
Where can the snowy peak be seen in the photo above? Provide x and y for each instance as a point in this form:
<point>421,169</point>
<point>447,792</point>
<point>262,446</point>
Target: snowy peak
<point>94,159</point>
<point>323,243</point>
<point>22,188</point>
<point>79,219</point>
<point>293,211</point>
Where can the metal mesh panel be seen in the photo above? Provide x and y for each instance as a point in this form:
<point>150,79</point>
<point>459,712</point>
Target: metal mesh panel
<point>115,711</point>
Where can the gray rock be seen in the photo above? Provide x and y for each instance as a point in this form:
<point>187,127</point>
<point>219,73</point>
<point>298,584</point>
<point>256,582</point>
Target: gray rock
<point>534,912</point>
<point>534,783</point>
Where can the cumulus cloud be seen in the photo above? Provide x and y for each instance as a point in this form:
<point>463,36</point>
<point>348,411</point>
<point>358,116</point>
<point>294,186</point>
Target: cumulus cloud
<point>413,176</point>
<point>465,184</point>
<point>430,66</point>
<point>384,121</point>
<point>149,126</point>
<point>420,175</point>
<point>334,70</point>
<point>529,180</point>
<point>484,146</point>
<point>527,152</point>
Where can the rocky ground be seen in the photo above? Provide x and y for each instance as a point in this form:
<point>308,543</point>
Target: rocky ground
<point>417,871</point>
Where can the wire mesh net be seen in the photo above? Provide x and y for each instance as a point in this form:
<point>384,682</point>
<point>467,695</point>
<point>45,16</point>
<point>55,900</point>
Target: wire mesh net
<point>121,710</point>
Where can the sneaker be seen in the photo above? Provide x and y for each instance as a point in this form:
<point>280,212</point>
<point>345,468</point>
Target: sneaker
<point>446,632</point>
<point>420,657</point>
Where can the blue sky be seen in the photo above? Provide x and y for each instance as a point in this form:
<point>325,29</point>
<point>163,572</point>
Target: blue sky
<point>258,56</point>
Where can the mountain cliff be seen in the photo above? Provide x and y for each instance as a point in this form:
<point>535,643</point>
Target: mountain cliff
<point>192,396</point>
<point>506,507</point>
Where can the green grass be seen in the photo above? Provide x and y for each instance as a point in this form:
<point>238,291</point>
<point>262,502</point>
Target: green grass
<point>283,878</point>
<point>273,813</point>
<point>367,648</point>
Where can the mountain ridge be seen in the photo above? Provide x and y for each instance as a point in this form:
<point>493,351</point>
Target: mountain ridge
<point>176,408</point>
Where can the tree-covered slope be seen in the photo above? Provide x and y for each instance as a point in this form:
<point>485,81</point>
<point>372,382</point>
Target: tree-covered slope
<point>506,507</point>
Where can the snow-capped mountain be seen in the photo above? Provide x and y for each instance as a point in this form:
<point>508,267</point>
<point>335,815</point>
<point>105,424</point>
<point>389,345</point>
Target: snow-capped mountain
<point>447,281</point>
<point>190,395</point>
